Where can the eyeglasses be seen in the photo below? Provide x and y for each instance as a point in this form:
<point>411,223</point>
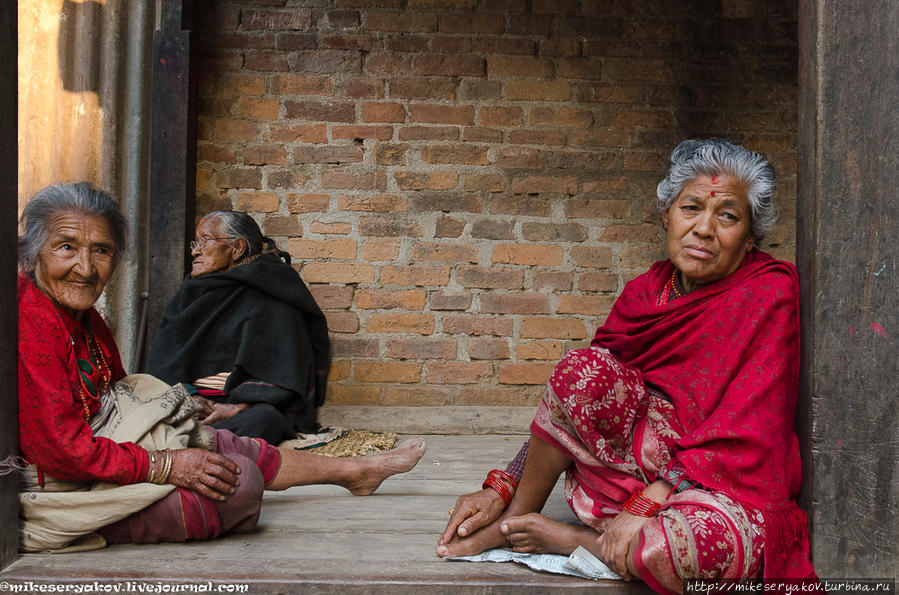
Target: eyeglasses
<point>200,243</point>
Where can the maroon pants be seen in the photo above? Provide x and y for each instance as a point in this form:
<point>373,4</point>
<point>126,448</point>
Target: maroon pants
<point>184,514</point>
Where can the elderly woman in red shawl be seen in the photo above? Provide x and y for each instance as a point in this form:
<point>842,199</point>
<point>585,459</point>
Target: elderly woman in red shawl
<point>675,427</point>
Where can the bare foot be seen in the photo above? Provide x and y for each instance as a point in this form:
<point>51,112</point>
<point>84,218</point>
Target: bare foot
<point>536,534</point>
<point>481,540</point>
<point>374,469</point>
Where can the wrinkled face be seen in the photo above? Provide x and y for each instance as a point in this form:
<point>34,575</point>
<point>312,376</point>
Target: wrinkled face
<point>214,252</point>
<point>709,230</point>
<point>76,261</point>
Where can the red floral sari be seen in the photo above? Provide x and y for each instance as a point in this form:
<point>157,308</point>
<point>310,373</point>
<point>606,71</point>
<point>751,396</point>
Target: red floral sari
<point>726,357</point>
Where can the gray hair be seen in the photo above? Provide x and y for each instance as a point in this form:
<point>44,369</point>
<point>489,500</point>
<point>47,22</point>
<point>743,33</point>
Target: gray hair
<point>80,198</point>
<point>715,157</point>
<point>239,225</point>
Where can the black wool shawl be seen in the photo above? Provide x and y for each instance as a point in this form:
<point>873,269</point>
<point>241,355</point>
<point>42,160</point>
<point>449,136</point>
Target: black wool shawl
<point>258,321</point>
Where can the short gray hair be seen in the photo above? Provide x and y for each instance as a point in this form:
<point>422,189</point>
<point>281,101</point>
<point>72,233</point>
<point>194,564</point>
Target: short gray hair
<point>80,198</point>
<point>715,157</point>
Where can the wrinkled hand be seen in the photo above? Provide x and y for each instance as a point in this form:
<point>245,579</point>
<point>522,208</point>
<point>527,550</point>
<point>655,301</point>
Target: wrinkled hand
<point>205,472</point>
<point>203,407</point>
<point>472,511</point>
<point>615,540</point>
<point>223,411</point>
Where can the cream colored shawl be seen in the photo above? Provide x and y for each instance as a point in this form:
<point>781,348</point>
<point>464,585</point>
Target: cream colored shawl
<point>64,515</point>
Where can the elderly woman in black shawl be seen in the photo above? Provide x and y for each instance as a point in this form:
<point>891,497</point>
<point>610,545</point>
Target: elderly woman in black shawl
<point>245,333</point>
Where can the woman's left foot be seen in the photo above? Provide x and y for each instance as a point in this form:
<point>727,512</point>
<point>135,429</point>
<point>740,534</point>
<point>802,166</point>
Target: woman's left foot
<point>374,469</point>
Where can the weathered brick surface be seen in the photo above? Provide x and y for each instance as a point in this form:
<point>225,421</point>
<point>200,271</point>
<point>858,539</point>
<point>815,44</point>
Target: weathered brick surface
<point>467,185</point>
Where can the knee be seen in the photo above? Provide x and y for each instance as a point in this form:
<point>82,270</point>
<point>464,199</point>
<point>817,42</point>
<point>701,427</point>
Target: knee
<point>239,513</point>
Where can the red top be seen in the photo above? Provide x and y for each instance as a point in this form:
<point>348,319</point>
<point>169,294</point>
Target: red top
<point>52,431</point>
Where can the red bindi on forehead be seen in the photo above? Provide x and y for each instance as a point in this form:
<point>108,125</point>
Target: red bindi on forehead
<point>713,193</point>
<point>714,179</point>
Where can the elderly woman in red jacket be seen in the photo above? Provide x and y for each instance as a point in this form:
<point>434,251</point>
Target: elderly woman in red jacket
<point>115,459</point>
<point>675,427</point>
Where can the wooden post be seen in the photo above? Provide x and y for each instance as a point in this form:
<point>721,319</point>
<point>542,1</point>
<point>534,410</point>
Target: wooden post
<point>172,158</point>
<point>847,256</point>
<point>9,419</point>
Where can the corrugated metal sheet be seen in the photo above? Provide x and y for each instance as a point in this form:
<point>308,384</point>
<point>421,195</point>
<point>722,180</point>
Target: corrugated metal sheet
<point>84,104</point>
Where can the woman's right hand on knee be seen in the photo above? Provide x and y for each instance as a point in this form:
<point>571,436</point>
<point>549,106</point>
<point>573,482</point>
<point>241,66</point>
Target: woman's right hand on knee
<point>472,512</point>
<point>207,473</point>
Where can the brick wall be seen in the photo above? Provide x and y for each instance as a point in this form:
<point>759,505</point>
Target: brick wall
<point>467,185</point>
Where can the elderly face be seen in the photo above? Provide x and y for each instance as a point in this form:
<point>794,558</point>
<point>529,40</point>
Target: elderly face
<point>76,261</point>
<point>709,230</point>
<point>213,251</point>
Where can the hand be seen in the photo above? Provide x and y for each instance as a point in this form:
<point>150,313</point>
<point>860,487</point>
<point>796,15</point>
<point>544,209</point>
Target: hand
<point>615,541</point>
<point>203,407</point>
<point>205,472</point>
<point>224,411</point>
<point>472,511</point>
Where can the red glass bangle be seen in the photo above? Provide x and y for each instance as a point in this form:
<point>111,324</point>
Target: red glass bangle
<point>640,505</point>
<point>496,480</point>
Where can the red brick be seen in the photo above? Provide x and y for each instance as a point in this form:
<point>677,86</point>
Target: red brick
<point>538,137</point>
<point>448,65</point>
<point>542,350</point>
<point>390,153</point>
<point>516,303</point>
<point>469,22</point>
<point>605,93</point>
<point>387,372</point>
<point>478,325</point>
<point>504,396</point>
<point>440,300</point>
<point>646,233</point>
<point>500,115</point>
<point>489,278</point>
<point>353,394</point>
<point>380,203</point>
<point>235,130</point>
<point>480,90</point>
<point>383,112</point>
<point>589,305</point>
<point>455,154</point>
<point>529,90</point>
<point>448,202</point>
<point>342,322</point>
<point>531,24</point>
<point>338,371</point>
<point>594,257</point>
<point>361,132</point>
<point>553,281</point>
<point>518,157</point>
<point>485,182</point>
<point>363,88</point>
<point>302,84</point>
<point>598,282</point>
<point>559,47</point>
<point>552,328</point>
<point>266,60</point>
<point>528,254</point>
<point>547,184</point>
<point>503,45</point>
<point>264,155</point>
<point>255,108</point>
<point>308,203</point>
<point>606,186</point>
<point>354,347</point>
<point>450,45</point>
<point>334,179</point>
<point>406,43</point>
<point>434,252</point>
<point>330,154</point>
<point>422,324</point>
<point>553,232</point>
<point>380,250</point>
<point>433,180</point>
<point>458,372</point>
<point>346,41</point>
<point>525,373</point>
<point>338,272</point>
<point>343,19</point>
<point>487,348</point>
<point>421,348</point>
<point>281,225</point>
<point>285,178</point>
<point>390,227</point>
<point>428,133</point>
<point>419,87</point>
<point>240,84</point>
<point>653,71</point>
<point>640,256</point>
<point>330,228</point>
<point>603,138</point>
<point>291,133</point>
<point>462,115</point>
<point>297,41</point>
<point>383,299</point>
<point>645,161</point>
<point>518,66</point>
<point>386,64</point>
<point>340,249</point>
<point>398,396</point>
<point>421,276</point>
<point>239,178</point>
<point>409,22</point>
<point>215,154</point>
<point>448,227</point>
<point>258,202</point>
<point>597,209</point>
<point>479,134</point>
<point>245,40</point>
<point>296,19</point>
<point>320,111</point>
<point>568,117</point>
<point>581,68</point>
<point>332,297</point>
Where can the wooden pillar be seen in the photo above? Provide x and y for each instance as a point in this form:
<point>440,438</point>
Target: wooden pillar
<point>847,237</point>
<point>172,158</point>
<point>9,424</point>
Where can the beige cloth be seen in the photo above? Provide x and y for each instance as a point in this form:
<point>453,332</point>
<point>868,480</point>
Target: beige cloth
<point>63,515</point>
